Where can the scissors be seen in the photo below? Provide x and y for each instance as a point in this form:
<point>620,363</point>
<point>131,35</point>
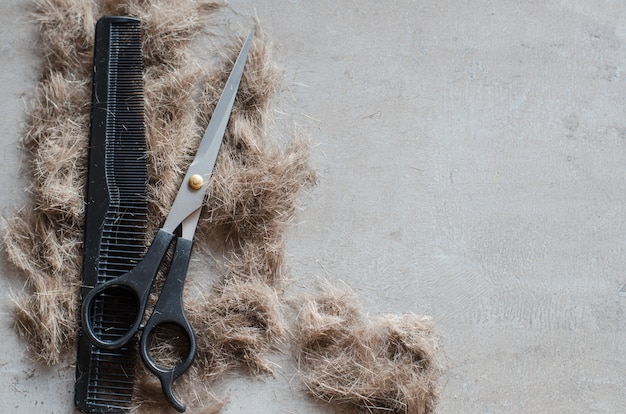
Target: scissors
<point>137,283</point>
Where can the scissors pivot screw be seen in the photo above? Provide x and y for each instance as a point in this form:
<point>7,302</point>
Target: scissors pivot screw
<point>196,182</point>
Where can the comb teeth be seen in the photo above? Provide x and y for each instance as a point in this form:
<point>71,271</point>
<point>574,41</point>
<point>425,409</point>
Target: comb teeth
<point>116,217</point>
<point>126,146</point>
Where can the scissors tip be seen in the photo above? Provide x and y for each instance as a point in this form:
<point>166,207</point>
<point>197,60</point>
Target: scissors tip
<point>248,40</point>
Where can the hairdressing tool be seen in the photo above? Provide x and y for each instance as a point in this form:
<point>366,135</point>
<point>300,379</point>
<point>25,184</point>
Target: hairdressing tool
<point>138,282</point>
<point>116,209</point>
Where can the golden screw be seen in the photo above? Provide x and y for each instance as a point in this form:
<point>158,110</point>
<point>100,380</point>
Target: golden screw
<point>196,182</point>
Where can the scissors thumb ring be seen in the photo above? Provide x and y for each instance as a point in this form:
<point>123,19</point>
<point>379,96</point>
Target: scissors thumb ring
<point>135,286</point>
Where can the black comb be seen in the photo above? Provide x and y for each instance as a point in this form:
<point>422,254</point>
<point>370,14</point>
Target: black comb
<point>116,210</point>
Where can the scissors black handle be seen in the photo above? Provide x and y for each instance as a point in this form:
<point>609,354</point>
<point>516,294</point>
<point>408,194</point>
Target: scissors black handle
<point>169,311</point>
<point>138,283</point>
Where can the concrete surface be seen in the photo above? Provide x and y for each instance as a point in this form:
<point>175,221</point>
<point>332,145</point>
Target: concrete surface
<point>473,161</point>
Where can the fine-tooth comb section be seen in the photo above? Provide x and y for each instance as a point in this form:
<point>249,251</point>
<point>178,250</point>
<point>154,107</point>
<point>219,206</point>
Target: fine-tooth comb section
<point>116,212</point>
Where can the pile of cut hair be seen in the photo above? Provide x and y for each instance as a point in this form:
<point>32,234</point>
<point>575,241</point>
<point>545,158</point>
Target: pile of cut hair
<point>388,365</point>
<point>238,317</point>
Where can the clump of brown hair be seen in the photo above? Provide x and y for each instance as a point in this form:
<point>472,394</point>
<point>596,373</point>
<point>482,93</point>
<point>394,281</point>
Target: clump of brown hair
<point>389,365</point>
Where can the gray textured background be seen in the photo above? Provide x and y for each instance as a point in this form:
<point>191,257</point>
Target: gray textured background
<point>472,159</point>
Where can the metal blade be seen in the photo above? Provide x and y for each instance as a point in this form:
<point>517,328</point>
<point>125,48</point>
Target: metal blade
<point>188,199</point>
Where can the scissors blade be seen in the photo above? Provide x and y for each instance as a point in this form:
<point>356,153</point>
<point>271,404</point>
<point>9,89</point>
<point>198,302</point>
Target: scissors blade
<point>190,197</point>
